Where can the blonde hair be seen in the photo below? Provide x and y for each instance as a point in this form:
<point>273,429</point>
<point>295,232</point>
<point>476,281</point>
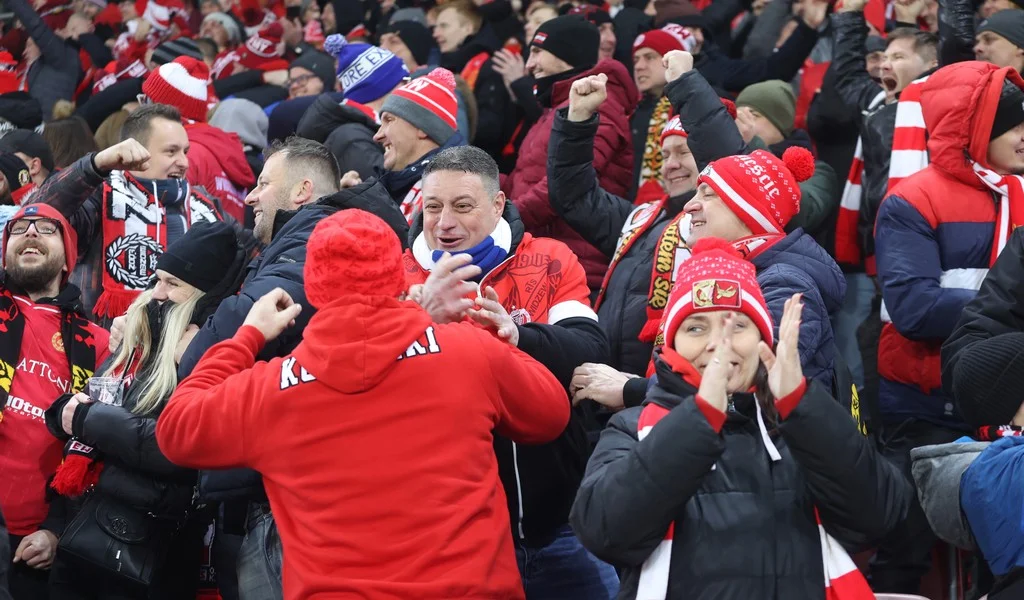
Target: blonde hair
<point>162,375</point>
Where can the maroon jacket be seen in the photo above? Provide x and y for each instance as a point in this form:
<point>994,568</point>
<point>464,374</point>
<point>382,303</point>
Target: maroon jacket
<point>527,185</point>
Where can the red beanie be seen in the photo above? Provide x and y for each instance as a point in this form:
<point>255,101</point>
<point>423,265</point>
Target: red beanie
<point>8,73</point>
<point>263,50</point>
<point>428,103</point>
<point>352,252</point>
<point>673,127</point>
<point>759,188</point>
<point>182,83</point>
<point>716,278</point>
<point>70,237</point>
<point>664,40</point>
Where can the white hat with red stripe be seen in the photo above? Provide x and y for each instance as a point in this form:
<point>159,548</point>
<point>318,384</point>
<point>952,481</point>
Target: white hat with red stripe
<point>182,83</point>
<point>428,104</point>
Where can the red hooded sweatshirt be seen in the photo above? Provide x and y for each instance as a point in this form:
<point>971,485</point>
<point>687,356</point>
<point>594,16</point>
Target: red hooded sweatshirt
<point>29,455</point>
<point>217,162</point>
<point>374,439</point>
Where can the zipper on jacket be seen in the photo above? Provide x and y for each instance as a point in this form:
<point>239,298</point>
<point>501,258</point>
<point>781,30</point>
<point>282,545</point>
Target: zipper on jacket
<point>519,492</point>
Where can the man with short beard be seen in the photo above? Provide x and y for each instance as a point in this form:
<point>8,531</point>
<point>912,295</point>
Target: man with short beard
<point>127,203</point>
<point>47,348</point>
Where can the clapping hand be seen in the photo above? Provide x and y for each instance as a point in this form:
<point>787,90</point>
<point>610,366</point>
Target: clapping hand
<point>784,370</point>
<point>444,293</point>
<point>491,314</point>
<point>714,381</point>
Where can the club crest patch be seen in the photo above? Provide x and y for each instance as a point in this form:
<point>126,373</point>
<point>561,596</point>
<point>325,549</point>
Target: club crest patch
<point>716,292</point>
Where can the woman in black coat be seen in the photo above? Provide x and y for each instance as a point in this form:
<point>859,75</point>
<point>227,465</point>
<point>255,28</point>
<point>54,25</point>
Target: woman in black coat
<point>195,273</point>
<point>709,491</point>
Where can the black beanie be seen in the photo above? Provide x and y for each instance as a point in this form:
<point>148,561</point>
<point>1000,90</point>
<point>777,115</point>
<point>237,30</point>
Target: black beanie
<point>571,38</point>
<point>21,110</point>
<point>168,51</point>
<point>203,256</point>
<point>14,170</point>
<point>416,37</point>
<point>988,379</point>
<point>1010,112</point>
<point>319,64</point>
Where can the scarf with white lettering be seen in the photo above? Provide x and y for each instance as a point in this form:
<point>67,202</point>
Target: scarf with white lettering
<point>76,339</point>
<point>135,233</point>
<point>842,579</point>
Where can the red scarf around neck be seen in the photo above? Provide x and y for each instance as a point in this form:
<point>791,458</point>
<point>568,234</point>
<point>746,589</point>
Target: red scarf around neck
<point>135,235</point>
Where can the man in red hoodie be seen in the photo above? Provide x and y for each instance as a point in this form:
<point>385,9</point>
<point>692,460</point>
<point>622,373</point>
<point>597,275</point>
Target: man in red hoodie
<point>216,158</point>
<point>40,359</point>
<point>374,437</point>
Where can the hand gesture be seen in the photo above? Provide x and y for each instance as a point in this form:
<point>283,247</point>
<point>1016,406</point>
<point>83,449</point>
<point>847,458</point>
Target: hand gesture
<point>128,155</point>
<point>852,5</point>
<point>491,314</point>
<point>714,382</point>
<point>586,96</point>
<point>745,123</point>
<point>350,179</point>
<point>509,65</point>
<point>677,62</point>
<point>273,313</point>
<point>784,370</point>
<point>908,11</point>
<point>600,383</point>
<point>37,549</point>
<point>67,416</point>
<point>815,12</point>
<point>444,293</point>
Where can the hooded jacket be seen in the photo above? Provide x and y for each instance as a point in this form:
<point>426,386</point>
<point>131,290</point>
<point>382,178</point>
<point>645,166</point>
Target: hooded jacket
<point>348,133</point>
<point>217,162</point>
<point>527,185</point>
<point>387,436</point>
<point>934,237</point>
<point>543,287</point>
<point>744,524</point>
<point>279,265</point>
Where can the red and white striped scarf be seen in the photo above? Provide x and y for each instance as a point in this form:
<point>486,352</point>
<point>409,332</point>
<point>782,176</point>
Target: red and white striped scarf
<point>847,238</point>
<point>842,579</point>
<point>1010,213</point>
<point>910,137</point>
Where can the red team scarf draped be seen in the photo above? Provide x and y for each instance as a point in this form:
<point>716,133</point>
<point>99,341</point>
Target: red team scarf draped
<point>848,249</point>
<point>842,579</point>
<point>910,137</point>
<point>135,234</point>
<point>1010,213</point>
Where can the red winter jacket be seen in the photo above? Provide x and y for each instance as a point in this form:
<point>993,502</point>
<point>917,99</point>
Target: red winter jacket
<point>217,162</point>
<point>527,185</point>
<point>374,439</point>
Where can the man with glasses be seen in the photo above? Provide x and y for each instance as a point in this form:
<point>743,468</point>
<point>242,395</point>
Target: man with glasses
<point>47,348</point>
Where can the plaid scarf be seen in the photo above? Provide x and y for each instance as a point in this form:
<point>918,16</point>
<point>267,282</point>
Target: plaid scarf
<point>842,579</point>
<point>848,249</point>
<point>650,166</point>
<point>135,234</point>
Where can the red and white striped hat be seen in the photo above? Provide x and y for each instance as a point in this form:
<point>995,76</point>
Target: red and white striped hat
<point>760,189</point>
<point>182,83</point>
<point>673,127</point>
<point>428,103</point>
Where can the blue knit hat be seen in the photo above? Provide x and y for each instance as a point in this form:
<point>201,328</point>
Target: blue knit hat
<point>365,72</point>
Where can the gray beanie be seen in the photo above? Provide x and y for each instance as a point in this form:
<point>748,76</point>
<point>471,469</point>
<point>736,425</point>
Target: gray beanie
<point>229,24</point>
<point>242,117</point>
<point>1008,23</point>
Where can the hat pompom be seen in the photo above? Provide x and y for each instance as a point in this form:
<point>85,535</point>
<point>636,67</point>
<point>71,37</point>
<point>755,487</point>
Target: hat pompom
<point>443,77</point>
<point>334,43</point>
<point>730,107</point>
<point>195,68</point>
<point>800,163</point>
<point>710,244</point>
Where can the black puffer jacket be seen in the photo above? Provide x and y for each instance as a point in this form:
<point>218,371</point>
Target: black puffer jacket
<point>598,216</point>
<point>747,528</point>
<point>347,132</point>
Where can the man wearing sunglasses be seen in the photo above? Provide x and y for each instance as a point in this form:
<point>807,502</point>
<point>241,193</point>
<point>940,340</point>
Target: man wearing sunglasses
<point>47,348</point>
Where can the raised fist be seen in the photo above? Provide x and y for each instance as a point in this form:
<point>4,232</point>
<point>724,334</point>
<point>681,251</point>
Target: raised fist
<point>128,155</point>
<point>586,96</point>
<point>677,62</point>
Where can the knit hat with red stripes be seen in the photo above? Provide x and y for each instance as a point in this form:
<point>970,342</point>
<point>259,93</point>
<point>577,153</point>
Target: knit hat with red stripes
<point>428,103</point>
<point>264,50</point>
<point>673,127</point>
<point>716,278</point>
<point>759,188</point>
<point>664,40</point>
<point>183,84</point>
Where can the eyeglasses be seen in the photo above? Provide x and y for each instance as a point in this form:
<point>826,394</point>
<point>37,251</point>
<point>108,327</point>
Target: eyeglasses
<point>300,80</point>
<point>43,226</point>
